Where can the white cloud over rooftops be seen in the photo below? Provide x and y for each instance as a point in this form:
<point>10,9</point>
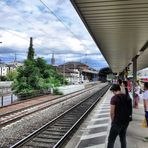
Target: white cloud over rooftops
<point>23,19</point>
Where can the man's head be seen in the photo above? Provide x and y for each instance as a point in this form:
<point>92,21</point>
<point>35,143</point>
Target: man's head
<point>125,83</point>
<point>115,88</point>
<point>145,85</point>
<point>119,81</point>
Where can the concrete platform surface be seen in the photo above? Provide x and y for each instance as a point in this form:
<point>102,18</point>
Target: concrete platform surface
<point>136,132</point>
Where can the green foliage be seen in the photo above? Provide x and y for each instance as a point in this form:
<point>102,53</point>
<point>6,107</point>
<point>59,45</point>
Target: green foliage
<point>3,78</point>
<point>103,73</point>
<point>11,75</point>
<point>57,92</point>
<point>36,75</point>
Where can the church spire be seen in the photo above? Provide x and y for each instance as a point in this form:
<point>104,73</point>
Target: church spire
<point>53,60</point>
<point>15,58</point>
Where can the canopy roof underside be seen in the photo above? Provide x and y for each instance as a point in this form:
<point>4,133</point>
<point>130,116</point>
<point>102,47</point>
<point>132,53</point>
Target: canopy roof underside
<point>119,28</point>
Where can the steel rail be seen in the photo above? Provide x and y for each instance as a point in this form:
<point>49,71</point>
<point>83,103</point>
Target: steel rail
<point>62,126</point>
<point>77,124</point>
<point>18,114</point>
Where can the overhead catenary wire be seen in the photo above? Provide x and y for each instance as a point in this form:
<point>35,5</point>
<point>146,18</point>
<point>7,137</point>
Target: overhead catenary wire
<point>8,30</point>
<point>34,26</point>
<point>38,28</point>
<point>60,20</point>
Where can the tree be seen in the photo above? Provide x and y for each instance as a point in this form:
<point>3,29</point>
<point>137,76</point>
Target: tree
<point>27,78</point>
<point>3,78</point>
<point>36,75</point>
<point>30,55</point>
<point>11,75</point>
<point>103,73</point>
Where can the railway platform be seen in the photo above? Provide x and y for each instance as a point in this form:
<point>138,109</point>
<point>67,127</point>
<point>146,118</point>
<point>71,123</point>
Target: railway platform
<point>93,133</point>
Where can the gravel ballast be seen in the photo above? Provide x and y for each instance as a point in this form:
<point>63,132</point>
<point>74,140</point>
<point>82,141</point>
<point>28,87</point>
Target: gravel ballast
<point>14,132</point>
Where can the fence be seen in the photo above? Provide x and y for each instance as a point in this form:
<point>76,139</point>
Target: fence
<point>6,95</point>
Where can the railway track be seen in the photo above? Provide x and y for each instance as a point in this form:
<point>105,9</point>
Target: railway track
<point>10,117</point>
<point>56,132</point>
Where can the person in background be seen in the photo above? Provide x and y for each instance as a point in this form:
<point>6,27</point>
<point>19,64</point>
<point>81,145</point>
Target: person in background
<point>129,86</point>
<point>145,103</point>
<point>121,115</point>
<point>137,94</point>
<point>125,85</point>
<point>119,82</point>
<point>121,86</point>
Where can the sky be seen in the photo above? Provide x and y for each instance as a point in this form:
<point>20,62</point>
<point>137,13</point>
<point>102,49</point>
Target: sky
<point>55,27</point>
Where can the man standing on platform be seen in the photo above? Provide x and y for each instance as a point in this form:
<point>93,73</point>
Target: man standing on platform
<point>121,115</point>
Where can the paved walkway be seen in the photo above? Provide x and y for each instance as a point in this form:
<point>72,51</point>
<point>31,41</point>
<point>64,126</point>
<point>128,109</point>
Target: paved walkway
<point>93,133</point>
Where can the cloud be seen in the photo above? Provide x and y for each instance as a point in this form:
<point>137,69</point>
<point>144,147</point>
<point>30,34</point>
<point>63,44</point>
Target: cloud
<point>14,39</point>
<point>23,19</point>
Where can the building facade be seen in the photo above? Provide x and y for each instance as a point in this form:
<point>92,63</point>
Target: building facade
<point>5,68</point>
<point>80,73</point>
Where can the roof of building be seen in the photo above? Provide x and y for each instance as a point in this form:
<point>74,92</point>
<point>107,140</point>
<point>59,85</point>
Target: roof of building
<point>66,70</point>
<point>74,64</point>
<point>2,64</point>
<point>90,71</point>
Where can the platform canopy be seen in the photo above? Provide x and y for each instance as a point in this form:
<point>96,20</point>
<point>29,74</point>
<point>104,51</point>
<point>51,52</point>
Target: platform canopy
<point>119,28</point>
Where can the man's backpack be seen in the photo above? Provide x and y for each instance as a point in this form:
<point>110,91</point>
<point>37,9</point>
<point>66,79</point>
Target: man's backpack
<point>123,109</point>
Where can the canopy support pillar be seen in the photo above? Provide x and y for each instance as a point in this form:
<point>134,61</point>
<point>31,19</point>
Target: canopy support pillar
<point>134,77</point>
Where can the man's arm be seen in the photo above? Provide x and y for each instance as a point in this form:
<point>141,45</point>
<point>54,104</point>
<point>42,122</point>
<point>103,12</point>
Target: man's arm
<point>144,103</point>
<point>112,112</point>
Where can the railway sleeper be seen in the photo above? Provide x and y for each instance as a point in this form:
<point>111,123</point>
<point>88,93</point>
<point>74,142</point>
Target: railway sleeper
<point>33,144</point>
<point>43,140</point>
<point>66,122</point>
<point>57,137</point>
<point>67,125</point>
<point>57,128</point>
<point>53,133</point>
